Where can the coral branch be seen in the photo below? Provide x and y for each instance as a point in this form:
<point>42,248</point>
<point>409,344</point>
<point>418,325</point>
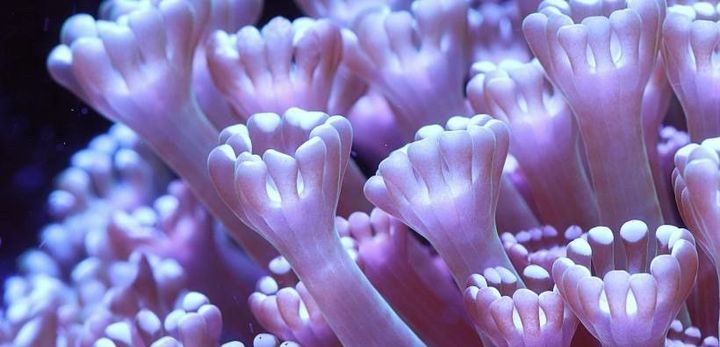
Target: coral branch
<point>445,186</point>
<point>600,54</point>
<point>289,196</point>
<point>544,138</point>
<point>689,46</point>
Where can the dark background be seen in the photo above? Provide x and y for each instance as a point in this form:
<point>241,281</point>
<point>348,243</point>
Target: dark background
<point>41,124</point>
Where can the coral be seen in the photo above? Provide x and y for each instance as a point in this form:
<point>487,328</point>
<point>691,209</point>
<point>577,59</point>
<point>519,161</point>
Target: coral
<point>520,183</point>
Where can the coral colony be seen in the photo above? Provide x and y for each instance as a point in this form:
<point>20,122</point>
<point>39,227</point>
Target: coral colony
<point>384,173</point>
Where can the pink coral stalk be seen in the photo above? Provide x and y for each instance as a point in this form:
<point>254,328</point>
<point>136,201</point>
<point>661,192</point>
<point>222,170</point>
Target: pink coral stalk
<point>403,272</point>
<point>689,45</point>
<point>289,196</point>
<point>544,138</point>
<point>695,180</point>
<point>655,105</point>
<point>445,186</point>
<point>513,212</point>
<point>603,82</point>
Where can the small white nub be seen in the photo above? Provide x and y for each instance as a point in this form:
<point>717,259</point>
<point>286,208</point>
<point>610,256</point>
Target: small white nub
<point>60,202</point>
<point>127,159</point>
<point>573,232</point>
<point>265,340</point>
<point>279,266</point>
<point>601,235</point>
<point>228,132</point>
<point>193,300</point>
<point>704,11</point>
<point>633,231</point>
<point>499,276</point>
<point>683,10</point>
<point>124,135</point>
<point>705,152</point>
<point>145,216</point>
<point>149,322</point>
<point>172,320</point>
<point>168,269</point>
<point>535,272</point>
<point>36,261</point>
<point>549,232</point>
<point>347,242</point>
<point>457,123</point>
<point>676,326</point>
<point>482,67</point>
<point>713,143</point>
<point>536,234</point>
<point>710,341</point>
<point>119,331</point>
<point>492,277</point>
<point>664,232</point>
<point>523,236</point>
<point>266,122</point>
<point>103,143</point>
<point>580,247</point>
<point>508,238</point>
<point>62,54</point>
<point>506,275</point>
<point>429,131</point>
<point>166,205</point>
<point>86,269</point>
<point>305,119</point>
<point>267,285</point>
<point>226,45</point>
<point>693,332</point>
